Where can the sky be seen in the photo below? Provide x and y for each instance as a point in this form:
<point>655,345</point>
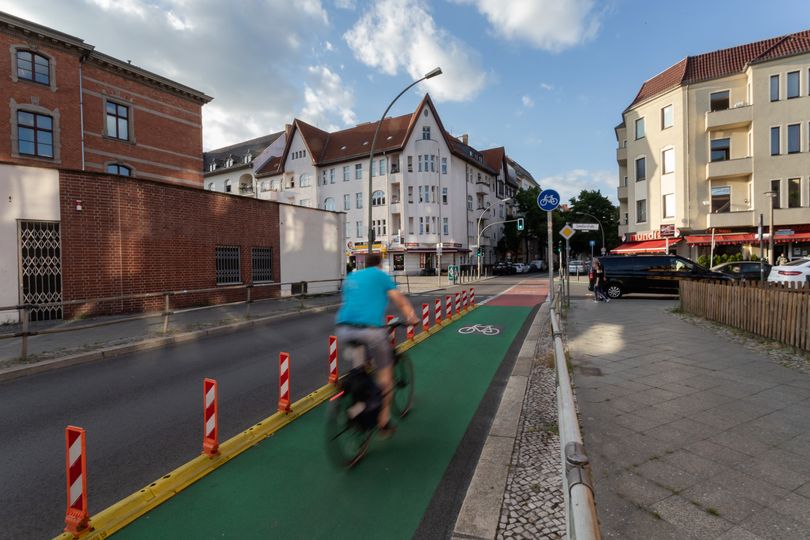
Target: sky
<point>546,79</point>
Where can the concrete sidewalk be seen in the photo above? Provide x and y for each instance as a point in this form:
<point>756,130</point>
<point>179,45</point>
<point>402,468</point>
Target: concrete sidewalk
<point>691,434</point>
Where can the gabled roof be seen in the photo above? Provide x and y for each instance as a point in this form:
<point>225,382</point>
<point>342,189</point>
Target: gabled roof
<point>353,143</point>
<point>722,63</point>
<point>238,151</point>
<point>494,158</point>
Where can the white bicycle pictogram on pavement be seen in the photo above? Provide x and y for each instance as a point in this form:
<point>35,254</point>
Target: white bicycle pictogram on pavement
<point>486,329</point>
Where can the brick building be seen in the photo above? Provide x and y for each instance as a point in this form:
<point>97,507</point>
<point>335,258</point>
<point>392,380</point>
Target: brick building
<point>70,106</point>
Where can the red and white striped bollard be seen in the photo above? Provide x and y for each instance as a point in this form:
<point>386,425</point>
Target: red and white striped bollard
<point>392,333</point>
<point>76,517</point>
<point>472,296</point>
<point>210,417</point>
<point>437,310</point>
<point>425,317</point>
<point>448,307</point>
<point>410,332</point>
<point>284,382</point>
<point>333,360</point>
<point>458,303</point>
<point>464,299</point>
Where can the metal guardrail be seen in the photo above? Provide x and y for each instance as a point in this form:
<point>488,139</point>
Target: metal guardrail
<point>25,309</point>
<point>580,510</point>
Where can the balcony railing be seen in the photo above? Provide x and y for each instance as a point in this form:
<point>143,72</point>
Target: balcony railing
<point>621,193</point>
<point>740,115</point>
<point>731,219</point>
<point>621,155</point>
<point>728,168</point>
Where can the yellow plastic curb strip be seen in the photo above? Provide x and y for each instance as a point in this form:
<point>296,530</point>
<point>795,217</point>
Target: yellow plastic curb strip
<point>125,511</point>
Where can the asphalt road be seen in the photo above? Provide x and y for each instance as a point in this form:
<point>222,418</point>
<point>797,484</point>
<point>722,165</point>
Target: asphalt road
<point>142,412</point>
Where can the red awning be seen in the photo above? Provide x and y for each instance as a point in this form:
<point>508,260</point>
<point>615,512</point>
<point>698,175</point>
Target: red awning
<point>795,237</point>
<point>721,239</point>
<point>647,246</point>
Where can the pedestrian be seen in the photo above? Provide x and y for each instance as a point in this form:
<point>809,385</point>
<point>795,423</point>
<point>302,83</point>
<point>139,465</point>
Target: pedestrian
<point>782,260</point>
<point>599,282</point>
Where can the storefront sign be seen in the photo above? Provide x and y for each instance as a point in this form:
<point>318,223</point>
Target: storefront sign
<point>667,231</point>
<point>641,236</point>
<point>399,262</point>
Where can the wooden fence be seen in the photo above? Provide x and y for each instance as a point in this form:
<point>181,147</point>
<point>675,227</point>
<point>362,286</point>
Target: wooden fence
<point>770,310</point>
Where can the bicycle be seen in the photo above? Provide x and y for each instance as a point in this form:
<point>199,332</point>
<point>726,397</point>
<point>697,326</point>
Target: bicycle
<point>352,413</point>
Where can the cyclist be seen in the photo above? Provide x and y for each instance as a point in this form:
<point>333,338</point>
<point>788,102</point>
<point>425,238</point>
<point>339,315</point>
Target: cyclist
<point>361,318</point>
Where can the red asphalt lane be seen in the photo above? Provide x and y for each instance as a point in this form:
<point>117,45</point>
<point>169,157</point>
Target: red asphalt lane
<point>526,293</point>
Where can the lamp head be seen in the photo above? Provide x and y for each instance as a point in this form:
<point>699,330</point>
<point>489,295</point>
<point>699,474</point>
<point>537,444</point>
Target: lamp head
<point>432,73</point>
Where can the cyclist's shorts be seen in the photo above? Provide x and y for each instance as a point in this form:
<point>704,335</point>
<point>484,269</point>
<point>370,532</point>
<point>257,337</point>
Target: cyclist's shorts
<point>376,341</point>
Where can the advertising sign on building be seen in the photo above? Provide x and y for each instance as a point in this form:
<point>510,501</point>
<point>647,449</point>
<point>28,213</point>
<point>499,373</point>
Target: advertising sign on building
<point>668,231</point>
<point>399,262</point>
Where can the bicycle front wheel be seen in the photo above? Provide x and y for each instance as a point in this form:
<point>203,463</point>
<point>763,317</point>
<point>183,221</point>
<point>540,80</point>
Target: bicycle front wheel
<point>403,386</point>
<point>346,441</point>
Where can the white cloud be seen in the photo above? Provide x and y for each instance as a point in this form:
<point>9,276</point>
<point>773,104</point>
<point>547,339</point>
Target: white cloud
<point>328,46</point>
<point>345,4</point>
<point>552,25</point>
<point>252,70</point>
<point>570,183</point>
<point>401,35</point>
<point>527,102</point>
<point>546,86</point>
<point>327,100</point>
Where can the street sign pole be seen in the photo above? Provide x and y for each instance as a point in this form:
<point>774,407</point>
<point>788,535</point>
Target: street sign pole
<point>567,274</point>
<point>548,200</point>
<point>550,260</point>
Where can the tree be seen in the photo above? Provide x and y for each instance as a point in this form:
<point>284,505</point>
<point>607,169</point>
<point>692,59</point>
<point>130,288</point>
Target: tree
<point>594,203</point>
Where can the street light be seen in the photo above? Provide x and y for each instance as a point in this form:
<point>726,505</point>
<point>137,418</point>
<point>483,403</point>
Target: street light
<point>601,228</point>
<point>478,244</point>
<point>773,195</point>
<point>428,75</point>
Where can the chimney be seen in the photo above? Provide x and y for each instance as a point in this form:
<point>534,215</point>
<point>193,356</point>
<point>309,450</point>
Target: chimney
<point>465,138</point>
<point>287,129</point>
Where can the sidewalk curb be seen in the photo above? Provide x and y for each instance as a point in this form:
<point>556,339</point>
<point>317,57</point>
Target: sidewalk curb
<point>107,353</point>
<point>480,512</point>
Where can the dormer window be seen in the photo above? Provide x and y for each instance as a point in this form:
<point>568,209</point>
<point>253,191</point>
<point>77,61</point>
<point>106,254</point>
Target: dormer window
<point>248,158</point>
<point>229,163</point>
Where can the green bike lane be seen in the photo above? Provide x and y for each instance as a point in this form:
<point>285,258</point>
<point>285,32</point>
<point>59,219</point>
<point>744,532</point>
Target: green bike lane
<point>286,487</point>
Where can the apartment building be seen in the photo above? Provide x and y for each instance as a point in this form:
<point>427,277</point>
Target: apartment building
<point>429,189</point>
<point>230,169</point>
<point>714,142</point>
<point>69,106</point>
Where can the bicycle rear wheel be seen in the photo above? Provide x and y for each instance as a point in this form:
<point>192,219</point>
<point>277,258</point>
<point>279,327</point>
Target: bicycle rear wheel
<point>403,386</point>
<point>346,441</point>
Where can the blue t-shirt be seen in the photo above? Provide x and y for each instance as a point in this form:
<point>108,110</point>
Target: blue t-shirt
<point>365,297</point>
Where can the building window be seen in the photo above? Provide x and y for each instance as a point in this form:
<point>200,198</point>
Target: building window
<point>304,180</point>
<point>332,175</point>
<point>793,84</point>
<point>303,202</point>
<point>432,163</point>
<point>211,186</point>
<point>668,160</point>
<point>121,170</point>
<point>33,67</point>
<point>358,171</point>
<point>227,265</point>
<point>358,231</point>
<point>262,264</point>
<point>410,163</point>
<point>794,192</point>
<point>444,165</point>
<point>445,226</point>
<point>382,166</point>
<point>410,194</point>
<point>794,137</point>
<point>469,202</point>
<point>776,193</point>
<point>117,121</point>
<point>347,202</point>
<point>377,198</point>
<point>666,117</point>
<point>275,185</point>
<point>410,225</point>
<point>358,200</point>
<point>641,211</point>
<point>227,186</point>
<point>774,87</point>
<point>421,225</point>
<point>425,133</point>
<point>444,195</point>
<point>719,101</point>
<point>265,185</point>
<point>669,205</point>
<point>775,141</point>
<point>329,204</point>
<point>721,149</point>
<point>640,128</point>
<point>641,169</point>
<point>346,175</point>
<point>721,200</point>
<point>420,163</point>
<point>35,134</point>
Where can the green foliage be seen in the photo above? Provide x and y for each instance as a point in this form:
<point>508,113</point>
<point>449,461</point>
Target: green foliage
<point>754,257</point>
<point>703,260</point>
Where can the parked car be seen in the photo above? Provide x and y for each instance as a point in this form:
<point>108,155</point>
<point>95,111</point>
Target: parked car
<point>656,274</point>
<point>503,269</point>
<point>578,267</point>
<point>797,271</point>
<point>744,270</point>
<point>537,265</point>
<point>520,268</point>
<point>427,271</point>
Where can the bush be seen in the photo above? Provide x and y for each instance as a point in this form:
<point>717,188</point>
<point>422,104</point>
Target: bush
<point>754,257</point>
<point>703,260</point>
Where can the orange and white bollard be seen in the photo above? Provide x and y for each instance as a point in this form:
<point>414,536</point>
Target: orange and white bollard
<point>76,517</point>
<point>392,333</point>
<point>472,296</point>
<point>210,417</point>
<point>410,332</point>
<point>464,299</point>
<point>437,311</point>
<point>448,307</point>
<point>284,382</point>
<point>333,361</point>
<point>425,317</point>
<point>458,303</point>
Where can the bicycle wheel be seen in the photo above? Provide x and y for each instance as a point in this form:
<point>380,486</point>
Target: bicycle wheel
<point>402,401</point>
<point>467,330</point>
<point>346,441</point>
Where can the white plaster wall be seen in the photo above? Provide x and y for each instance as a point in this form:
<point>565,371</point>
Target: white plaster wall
<point>311,244</point>
<point>26,193</point>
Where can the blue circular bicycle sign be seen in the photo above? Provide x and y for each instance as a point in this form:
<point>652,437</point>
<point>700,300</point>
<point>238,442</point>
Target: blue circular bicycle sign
<point>548,200</point>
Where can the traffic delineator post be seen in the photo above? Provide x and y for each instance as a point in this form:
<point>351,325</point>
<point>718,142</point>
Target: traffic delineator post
<point>333,360</point>
<point>76,517</point>
<point>458,303</point>
<point>392,334</point>
<point>409,332</point>
<point>284,382</point>
<point>448,307</point>
<point>464,299</point>
<point>425,317</point>
<point>472,296</point>
<point>437,310</point>
<point>210,417</point>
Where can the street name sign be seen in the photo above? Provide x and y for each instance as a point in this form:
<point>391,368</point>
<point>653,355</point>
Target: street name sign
<point>586,226</point>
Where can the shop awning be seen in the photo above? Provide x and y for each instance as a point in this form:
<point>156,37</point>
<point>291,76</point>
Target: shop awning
<point>795,237</point>
<point>721,239</point>
<point>645,246</point>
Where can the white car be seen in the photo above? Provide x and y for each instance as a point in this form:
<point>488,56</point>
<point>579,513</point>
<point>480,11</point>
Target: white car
<point>520,268</point>
<point>797,271</point>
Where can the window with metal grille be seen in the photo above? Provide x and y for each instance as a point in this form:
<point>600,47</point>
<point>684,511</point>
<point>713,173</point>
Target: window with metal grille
<point>262,264</point>
<point>227,265</point>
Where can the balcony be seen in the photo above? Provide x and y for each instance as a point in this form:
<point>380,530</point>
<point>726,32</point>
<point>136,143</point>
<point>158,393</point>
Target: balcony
<point>621,193</point>
<point>731,219</point>
<point>728,168</point>
<point>621,155</point>
<point>736,117</point>
<point>395,207</point>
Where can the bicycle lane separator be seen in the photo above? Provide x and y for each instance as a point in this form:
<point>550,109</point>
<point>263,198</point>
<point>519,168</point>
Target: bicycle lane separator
<point>120,514</point>
<point>286,486</point>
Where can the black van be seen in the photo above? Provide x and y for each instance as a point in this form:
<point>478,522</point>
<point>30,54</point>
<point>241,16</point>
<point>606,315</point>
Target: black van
<point>655,274</point>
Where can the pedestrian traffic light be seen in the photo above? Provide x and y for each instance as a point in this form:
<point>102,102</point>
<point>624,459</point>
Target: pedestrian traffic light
<point>478,251</point>
<point>520,224</point>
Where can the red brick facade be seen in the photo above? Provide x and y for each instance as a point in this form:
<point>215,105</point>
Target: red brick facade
<point>136,236</point>
<point>163,139</point>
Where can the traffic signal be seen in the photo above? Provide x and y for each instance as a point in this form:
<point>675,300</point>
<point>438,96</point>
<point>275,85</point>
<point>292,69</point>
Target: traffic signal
<point>479,251</point>
<point>520,224</point>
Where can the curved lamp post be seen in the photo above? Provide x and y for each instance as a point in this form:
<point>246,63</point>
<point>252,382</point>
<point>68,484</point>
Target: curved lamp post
<point>601,228</point>
<point>428,75</point>
<point>478,245</point>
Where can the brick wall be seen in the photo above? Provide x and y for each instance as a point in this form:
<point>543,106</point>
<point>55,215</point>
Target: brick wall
<point>135,236</point>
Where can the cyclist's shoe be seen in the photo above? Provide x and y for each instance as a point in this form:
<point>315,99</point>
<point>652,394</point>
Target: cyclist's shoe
<point>386,431</point>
